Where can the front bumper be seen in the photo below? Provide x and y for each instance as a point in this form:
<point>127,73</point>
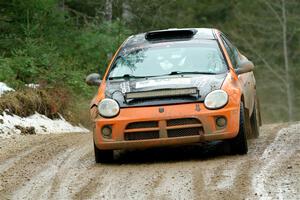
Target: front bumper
<point>172,125</point>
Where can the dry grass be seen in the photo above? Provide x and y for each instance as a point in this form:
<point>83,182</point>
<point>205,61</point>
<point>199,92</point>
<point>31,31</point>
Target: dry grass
<point>27,101</point>
<point>49,102</point>
<point>78,111</point>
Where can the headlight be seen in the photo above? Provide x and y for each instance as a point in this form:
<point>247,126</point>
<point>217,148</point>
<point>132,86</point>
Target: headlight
<point>216,99</point>
<point>108,108</point>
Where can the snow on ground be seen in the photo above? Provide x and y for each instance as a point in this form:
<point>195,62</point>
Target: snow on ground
<point>4,88</point>
<point>36,124</point>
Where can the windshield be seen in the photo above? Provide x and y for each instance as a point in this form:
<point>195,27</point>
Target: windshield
<point>166,58</point>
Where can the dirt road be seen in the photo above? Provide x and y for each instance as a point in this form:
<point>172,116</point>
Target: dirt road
<point>62,167</point>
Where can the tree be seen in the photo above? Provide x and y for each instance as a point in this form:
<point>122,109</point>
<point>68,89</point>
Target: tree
<point>267,29</point>
<point>108,10</point>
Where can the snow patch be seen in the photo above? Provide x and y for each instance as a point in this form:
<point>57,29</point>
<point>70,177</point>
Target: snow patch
<point>9,125</point>
<point>33,85</point>
<point>4,88</point>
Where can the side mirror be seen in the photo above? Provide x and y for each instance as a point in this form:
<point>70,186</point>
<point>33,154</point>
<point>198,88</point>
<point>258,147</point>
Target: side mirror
<point>244,67</point>
<point>93,79</point>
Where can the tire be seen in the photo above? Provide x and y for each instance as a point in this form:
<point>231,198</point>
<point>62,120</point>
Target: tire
<point>103,156</point>
<point>239,145</point>
<point>259,113</point>
<point>254,121</point>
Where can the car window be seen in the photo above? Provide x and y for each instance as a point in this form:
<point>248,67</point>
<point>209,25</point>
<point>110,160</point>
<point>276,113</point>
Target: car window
<point>160,59</point>
<point>232,51</point>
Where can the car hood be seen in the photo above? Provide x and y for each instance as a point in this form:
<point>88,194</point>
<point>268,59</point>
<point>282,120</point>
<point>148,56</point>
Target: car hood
<point>116,89</point>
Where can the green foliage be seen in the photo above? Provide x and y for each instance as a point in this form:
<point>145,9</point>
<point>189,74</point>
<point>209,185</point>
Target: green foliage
<point>43,45</point>
<point>56,43</point>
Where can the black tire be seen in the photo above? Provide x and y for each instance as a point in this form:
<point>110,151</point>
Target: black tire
<point>239,145</point>
<point>254,121</point>
<point>103,156</point>
<point>259,113</point>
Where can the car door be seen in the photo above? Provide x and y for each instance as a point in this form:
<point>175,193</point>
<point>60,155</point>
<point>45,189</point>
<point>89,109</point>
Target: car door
<point>247,80</point>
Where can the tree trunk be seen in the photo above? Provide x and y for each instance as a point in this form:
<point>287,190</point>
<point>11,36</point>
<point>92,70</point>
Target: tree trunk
<point>286,62</point>
<point>108,10</point>
<point>126,14</point>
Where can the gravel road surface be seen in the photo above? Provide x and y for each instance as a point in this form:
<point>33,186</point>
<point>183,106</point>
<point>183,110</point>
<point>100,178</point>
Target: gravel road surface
<point>62,167</point>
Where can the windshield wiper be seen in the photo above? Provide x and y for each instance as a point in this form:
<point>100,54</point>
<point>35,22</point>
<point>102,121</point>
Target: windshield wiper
<point>126,76</point>
<point>194,72</point>
<point>130,76</point>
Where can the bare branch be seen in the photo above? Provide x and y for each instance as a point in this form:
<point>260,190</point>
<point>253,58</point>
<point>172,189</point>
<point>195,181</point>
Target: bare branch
<point>253,50</point>
<point>273,11</point>
<point>292,35</point>
<point>278,86</point>
<point>78,13</point>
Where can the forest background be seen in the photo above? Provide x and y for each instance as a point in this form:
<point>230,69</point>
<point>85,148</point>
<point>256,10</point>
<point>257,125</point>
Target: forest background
<point>56,43</point>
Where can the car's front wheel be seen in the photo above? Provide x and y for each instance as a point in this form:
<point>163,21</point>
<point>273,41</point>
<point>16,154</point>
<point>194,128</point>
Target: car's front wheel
<point>103,156</point>
<point>239,145</point>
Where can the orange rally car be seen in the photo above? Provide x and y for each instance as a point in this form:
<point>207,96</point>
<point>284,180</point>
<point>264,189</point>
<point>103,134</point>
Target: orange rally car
<point>171,87</point>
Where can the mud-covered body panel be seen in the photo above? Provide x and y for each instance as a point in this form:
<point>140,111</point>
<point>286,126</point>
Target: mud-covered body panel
<point>117,89</point>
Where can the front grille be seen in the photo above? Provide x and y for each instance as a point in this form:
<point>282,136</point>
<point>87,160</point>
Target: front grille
<point>141,135</point>
<point>179,127</point>
<point>148,124</point>
<point>182,121</point>
<point>185,132</point>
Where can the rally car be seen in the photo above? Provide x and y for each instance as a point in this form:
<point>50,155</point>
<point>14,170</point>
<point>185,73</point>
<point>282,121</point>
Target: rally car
<point>173,87</point>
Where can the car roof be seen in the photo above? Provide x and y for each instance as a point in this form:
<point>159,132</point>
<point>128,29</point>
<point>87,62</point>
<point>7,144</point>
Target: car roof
<point>195,34</point>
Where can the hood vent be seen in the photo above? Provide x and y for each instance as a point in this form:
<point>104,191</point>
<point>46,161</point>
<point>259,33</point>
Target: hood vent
<point>170,34</point>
